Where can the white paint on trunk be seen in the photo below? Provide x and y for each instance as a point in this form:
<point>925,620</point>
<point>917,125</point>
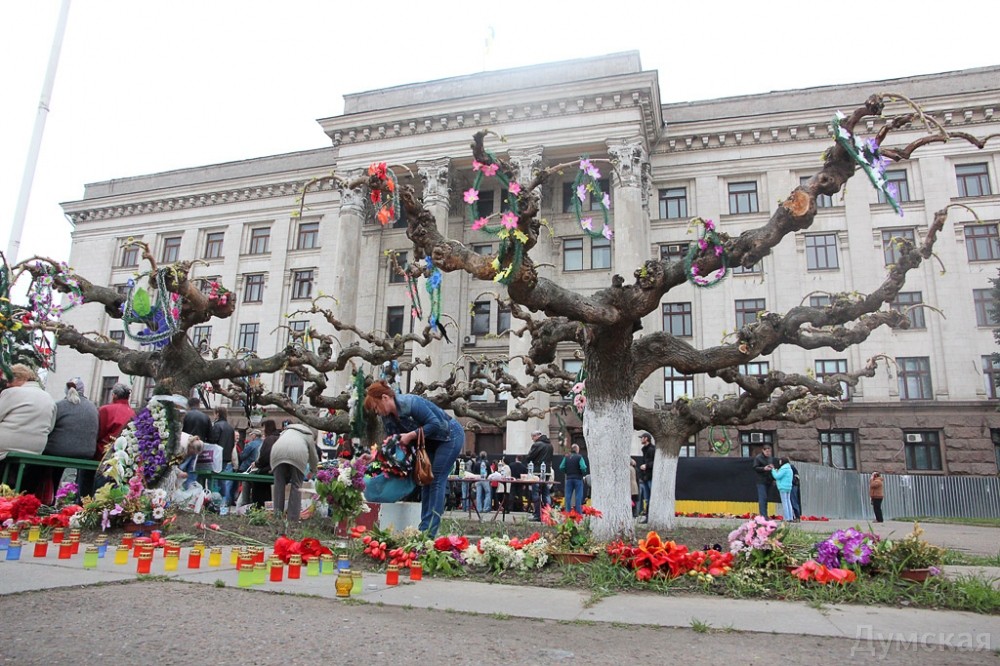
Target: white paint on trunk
<point>607,426</point>
<point>663,503</point>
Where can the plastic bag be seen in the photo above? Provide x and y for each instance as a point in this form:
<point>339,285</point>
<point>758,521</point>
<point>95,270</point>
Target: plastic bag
<point>387,489</point>
<point>210,459</point>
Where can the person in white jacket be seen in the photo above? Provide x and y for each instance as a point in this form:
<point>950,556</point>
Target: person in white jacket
<point>27,413</point>
<point>292,457</point>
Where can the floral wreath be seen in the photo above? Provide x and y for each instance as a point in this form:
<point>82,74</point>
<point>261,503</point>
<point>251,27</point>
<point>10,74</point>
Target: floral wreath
<point>872,162</point>
<point>159,313</point>
<point>708,240</point>
<point>387,209</point>
<point>144,448</point>
<point>587,181</point>
<point>721,445</point>
<point>512,239</point>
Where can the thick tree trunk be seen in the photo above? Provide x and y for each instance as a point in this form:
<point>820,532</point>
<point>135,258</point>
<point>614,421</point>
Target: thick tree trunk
<point>607,425</point>
<point>662,504</point>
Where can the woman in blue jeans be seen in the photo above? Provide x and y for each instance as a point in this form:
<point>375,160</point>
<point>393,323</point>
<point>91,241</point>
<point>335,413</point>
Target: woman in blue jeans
<point>444,438</point>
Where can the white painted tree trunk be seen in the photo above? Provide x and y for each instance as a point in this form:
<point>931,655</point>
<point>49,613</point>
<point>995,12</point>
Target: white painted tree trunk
<point>663,503</point>
<point>607,426</point>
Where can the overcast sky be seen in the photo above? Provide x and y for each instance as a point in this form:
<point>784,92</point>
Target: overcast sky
<point>154,85</point>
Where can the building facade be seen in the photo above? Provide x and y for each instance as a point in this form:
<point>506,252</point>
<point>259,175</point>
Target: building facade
<point>930,409</point>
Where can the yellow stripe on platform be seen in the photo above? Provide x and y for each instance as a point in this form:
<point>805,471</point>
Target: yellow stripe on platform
<point>735,508</point>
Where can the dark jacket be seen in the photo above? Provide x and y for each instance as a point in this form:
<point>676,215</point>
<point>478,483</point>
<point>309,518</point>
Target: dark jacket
<point>574,466</point>
<point>196,422</point>
<point>648,457</point>
<point>75,434</point>
<point>224,435</point>
<point>264,457</point>
<point>518,469</point>
<point>540,452</point>
<point>760,461</point>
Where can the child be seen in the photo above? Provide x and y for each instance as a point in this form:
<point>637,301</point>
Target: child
<point>783,479</point>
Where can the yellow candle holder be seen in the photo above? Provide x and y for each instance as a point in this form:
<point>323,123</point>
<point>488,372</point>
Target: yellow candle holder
<point>344,583</point>
<point>121,554</point>
<point>170,562</point>
<point>215,557</point>
<point>33,533</point>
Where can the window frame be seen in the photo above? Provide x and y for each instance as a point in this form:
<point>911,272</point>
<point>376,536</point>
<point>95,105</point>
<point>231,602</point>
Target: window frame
<point>821,252</point>
<point>672,252</point>
<point>402,256</point>
<point>296,326</point>
<point>201,332</point>
<point>743,313</point>
<point>570,251</point>
<point>290,383</point>
<point>982,300</point>
<point>847,443</point>
<point>982,180</point>
<point>129,256</point>
<point>118,337</point>
<point>600,247</point>
<point>503,317</point>
<point>479,318</point>
<point>906,373</point>
<point>260,241</point>
<point>976,235</point>
<point>248,337</point>
<point>901,179</point>
<point>674,380</point>
<point>307,235</point>
<point>935,463</point>
<point>253,287</point>
<point>107,383</point>
<point>678,312</point>
<point>214,244</point>
<point>746,197</point>
<point>991,375</point>
<point>915,315</point>
<point>393,314</point>
<point>302,283</point>
<point>767,438</point>
<point>668,196</point>
<point>824,367</point>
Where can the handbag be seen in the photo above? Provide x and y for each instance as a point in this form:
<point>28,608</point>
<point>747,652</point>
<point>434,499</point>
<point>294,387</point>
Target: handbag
<point>423,474</point>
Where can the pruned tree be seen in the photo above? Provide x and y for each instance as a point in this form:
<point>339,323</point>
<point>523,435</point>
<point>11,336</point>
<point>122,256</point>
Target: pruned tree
<point>604,323</point>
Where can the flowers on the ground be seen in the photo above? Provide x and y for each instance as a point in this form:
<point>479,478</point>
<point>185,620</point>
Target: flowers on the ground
<point>342,486</point>
<point>502,553</point>
<point>125,504</point>
<point>910,552</point>
<point>757,542</point>
<point>308,549</point>
<point>847,547</point>
<point>66,492</point>
<point>655,558</point>
<point>812,570</point>
<point>17,508</point>
<point>572,528</point>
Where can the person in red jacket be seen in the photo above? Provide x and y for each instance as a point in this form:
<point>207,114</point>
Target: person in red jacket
<point>111,420</point>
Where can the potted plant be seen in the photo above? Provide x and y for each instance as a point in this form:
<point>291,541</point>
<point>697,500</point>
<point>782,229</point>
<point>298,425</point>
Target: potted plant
<point>572,543</point>
<point>910,558</point>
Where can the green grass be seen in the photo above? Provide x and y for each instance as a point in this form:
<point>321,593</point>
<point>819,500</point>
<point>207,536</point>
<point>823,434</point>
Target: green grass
<point>973,522</point>
<point>700,627</point>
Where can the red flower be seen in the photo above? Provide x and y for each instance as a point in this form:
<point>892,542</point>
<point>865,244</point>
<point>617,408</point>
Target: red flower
<point>384,215</point>
<point>308,549</point>
<point>451,542</point>
<point>376,196</point>
<point>378,169</point>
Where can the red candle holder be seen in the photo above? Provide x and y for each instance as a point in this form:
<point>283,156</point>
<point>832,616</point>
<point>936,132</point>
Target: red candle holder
<point>139,544</point>
<point>145,563</point>
<point>277,570</point>
<point>127,540</point>
<point>74,541</point>
<point>41,548</point>
<point>295,566</point>
<point>65,550</point>
<point>194,559</point>
<point>416,571</point>
<point>392,575</point>
<point>57,535</point>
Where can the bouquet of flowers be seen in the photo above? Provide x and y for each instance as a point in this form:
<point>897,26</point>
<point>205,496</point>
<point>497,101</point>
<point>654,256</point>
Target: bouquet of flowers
<point>758,542</point>
<point>910,552</point>
<point>132,504</point>
<point>847,547</point>
<point>342,487</point>
<point>655,558</point>
<point>572,529</point>
<point>144,447</point>
<point>501,553</point>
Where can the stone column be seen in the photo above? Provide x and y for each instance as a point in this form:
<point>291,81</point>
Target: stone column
<point>630,247</point>
<point>346,260</point>
<point>435,176</point>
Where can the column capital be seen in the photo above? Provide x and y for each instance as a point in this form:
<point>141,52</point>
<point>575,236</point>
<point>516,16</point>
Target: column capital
<point>628,157</point>
<point>353,200</point>
<point>526,162</point>
<point>435,175</point>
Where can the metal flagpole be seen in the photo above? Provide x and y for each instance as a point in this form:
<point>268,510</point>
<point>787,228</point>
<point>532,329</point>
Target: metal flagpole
<point>36,137</point>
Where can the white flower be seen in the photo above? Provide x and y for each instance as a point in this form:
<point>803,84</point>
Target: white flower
<point>138,517</point>
<point>158,513</point>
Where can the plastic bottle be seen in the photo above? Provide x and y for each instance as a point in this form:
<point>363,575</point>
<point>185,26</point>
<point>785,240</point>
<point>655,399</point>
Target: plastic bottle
<point>543,472</point>
<point>531,468</point>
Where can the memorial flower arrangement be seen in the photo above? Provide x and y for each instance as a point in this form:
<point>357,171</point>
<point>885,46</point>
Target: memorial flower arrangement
<point>811,570</point>
<point>655,558</point>
<point>499,554</point>
<point>757,543</point>
<point>572,529</point>
<point>309,548</point>
<point>15,508</point>
<point>144,447</point>
<point>129,505</point>
<point>342,486</point>
<point>847,547</point>
<point>910,552</point>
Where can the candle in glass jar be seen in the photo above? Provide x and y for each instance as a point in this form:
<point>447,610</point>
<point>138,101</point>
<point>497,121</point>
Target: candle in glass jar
<point>145,563</point>
<point>14,550</point>
<point>295,567</point>
<point>170,561</point>
<point>74,541</point>
<point>357,584</point>
<point>194,559</point>
<point>344,583</point>
<point>326,565</point>
<point>245,576</point>
<point>215,556</point>
<point>41,548</point>
<point>65,550</point>
<point>138,544</point>
<point>126,540</point>
<point>57,535</point>
<point>312,567</point>
<point>121,554</point>
<point>259,573</point>
<point>392,575</point>
<point>343,562</point>
<point>277,570</point>
<point>33,533</point>
<point>199,545</point>
<point>234,555</point>
<point>416,571</point>
<point>90,557</point>
<point>102,545</point>
<point>4,539</point>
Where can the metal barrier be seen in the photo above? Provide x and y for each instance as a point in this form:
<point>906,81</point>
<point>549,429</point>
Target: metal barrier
<point>838,493</point>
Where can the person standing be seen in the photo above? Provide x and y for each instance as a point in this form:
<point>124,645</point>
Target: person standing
<point>111,420</point>
<point>444,439</point>
<point>796,494</point>
<point>517,470</point>
<point>540,454</point>
<point>224,435</point>
<point>27,416</point>
<point>763,464</point>
<point>484,492</point>
<point>196,422</point>
<point>783,479</point>
<point>293,459</point>
<point>575,468</point>
<point>260,493</point>
<point>646,474</point>
<point>876,492</point>
<point>75,432</point>
<point>634,485</point>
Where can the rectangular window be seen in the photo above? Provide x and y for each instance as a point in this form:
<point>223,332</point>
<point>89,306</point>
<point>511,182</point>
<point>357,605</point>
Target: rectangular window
<point>828,367</point>
<point>991,375</point>
<point>923,450</point>
<point>253,289</point>
<point>747,309</point>
<point>394,276</point>
<point>821,252</point>
<point>897,181</point>
<point>486,203</point>
<point>890,243</point>
<point>213,244</point>
<point>302,284</point>
<point>743,198</point>
<point>973,180</point>
<point>751,442</point>
<point>985,313</point>
<point>248,337</point>
<point>906,301</point>
<point>308,237</point>
<point>394,320</point>
<point>982,242</point>
<point>292,386</point>
<point>201,337</point>
<point>821,301</point>
<point>837,449</point>
<point>822,200</point>
<point>753,270</point>
<point>689,450</point>
<point>296,330</point>
<point>600,253</point>
<point>755,368</point>
<point>483,249</point>
<point>676,385</point>
<point>673,203</point>
<point>107,383</point>
<point>118,337</point>
<point>130,256</point>
<point>914,374</point>
<point>674,251</point>
<point>260,240</point>
<point>573,254</point>
<point>480,318</point>
<point>677,319</point>
<point>503,317</point>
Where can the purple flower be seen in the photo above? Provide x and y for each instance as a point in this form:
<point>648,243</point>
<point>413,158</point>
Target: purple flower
<point>934,571</point>
<point>828,554</point>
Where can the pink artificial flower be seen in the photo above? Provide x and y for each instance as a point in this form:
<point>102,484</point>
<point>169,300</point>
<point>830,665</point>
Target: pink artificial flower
<point>606,200</point>
<point>471,195</point>
<point>515,188</point>
<point>581,192</point>
<point>607,232</point>
<point>476,165</point>
<point>587,223</point>
<point>709,225</point>
<point>489,169</point>
<point>508,220</point>
<point>479,224</point>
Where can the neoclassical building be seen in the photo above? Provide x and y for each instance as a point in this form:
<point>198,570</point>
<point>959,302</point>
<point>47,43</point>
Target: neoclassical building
<point>931,409</point>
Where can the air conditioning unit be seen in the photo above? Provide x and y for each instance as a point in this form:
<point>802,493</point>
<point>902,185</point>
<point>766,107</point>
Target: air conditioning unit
<point>756,438</point>
<point>469,341</point>
<point>914,437</point>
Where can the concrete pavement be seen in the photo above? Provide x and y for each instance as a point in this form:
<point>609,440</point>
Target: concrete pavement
<point>879,624</point>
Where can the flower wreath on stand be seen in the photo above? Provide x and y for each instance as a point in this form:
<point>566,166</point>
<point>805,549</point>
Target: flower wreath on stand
<point>158,313</point>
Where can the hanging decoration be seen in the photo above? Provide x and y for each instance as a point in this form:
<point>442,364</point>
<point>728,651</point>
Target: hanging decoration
<point>721,444</point>
<point>511,251</point>
<point>587,185</point>
<point>709,241</point>
<point>390,374</point>
<point>579,393</point>
<point>872,162</point>
<point>159,312</point>
<point>386,206</point>
<point>355,404</point>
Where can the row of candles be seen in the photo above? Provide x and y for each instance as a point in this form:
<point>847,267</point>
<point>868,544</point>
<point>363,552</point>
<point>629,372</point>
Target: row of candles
<point>249,560</point>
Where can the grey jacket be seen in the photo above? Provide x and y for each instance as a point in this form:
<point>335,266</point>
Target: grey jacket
<point>75,434</point>
<point>27,415</point>
<point>296,446</point>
